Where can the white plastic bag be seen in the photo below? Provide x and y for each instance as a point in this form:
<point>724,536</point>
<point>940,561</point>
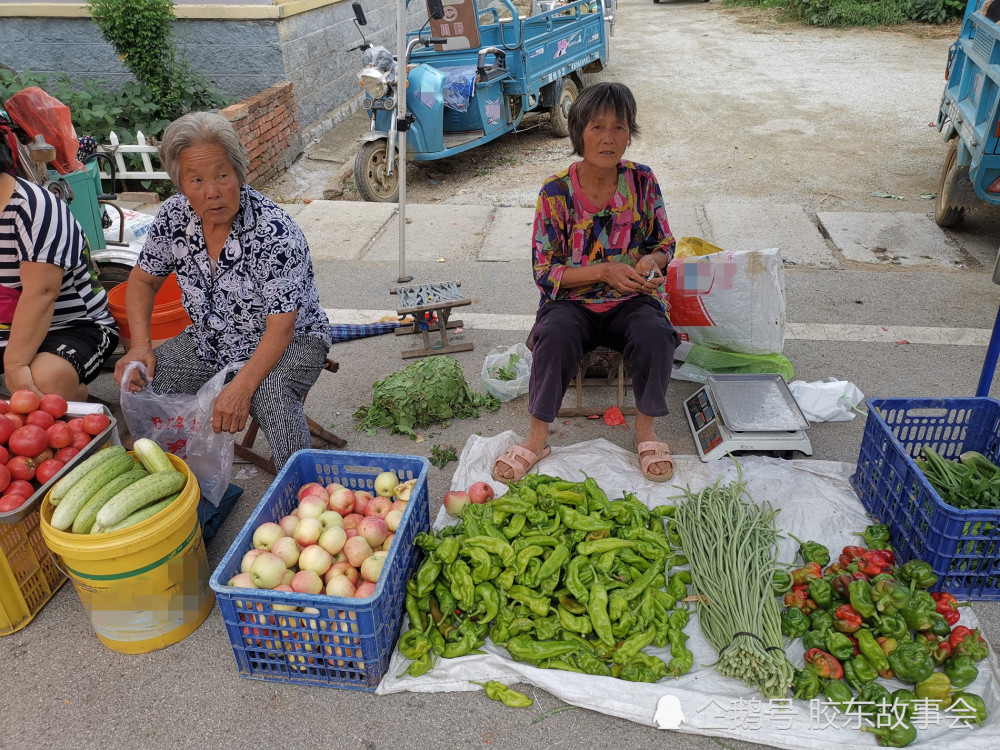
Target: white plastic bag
<point>827,401</point>
<point>730,300</point>
<point>182,424</point>
<point>500,356</point>
<point>136,226</point>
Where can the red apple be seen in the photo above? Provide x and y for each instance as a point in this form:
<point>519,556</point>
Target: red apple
<point>481,492</point>
<point>455,502</point>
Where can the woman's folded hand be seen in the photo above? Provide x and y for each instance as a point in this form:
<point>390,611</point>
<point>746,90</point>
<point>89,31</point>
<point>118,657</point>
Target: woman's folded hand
<point>628,280</point>
<point>232,408</point>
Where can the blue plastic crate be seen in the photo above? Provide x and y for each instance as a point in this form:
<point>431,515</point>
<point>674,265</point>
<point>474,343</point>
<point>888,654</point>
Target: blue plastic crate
<point>323,640</point>
<point>963,546</point>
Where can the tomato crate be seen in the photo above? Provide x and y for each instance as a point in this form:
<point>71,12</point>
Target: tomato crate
<point>963,546</point>
<point>319,639</point>
<point>28,574</point>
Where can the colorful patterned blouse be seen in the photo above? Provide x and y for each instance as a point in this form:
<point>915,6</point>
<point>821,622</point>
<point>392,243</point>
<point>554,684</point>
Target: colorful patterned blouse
<point>570,231</point>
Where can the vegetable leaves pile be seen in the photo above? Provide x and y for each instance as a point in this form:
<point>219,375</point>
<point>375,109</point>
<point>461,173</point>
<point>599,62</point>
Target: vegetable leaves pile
<point>427,392</point>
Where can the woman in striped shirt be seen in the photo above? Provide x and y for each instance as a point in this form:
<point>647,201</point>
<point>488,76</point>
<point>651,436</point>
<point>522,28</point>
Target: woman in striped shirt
<point>56,331</point>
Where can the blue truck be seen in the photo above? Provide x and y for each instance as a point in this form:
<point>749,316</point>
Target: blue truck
<point>969,116</point>
<point>473,78</point>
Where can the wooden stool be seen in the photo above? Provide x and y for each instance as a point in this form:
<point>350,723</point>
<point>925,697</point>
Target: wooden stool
<point>437,299</point>
<point>244,448</point>
<point>615,377</point>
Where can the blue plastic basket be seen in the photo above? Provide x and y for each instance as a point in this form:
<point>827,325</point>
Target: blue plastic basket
<point>963,546</point>
<point>322,640</point>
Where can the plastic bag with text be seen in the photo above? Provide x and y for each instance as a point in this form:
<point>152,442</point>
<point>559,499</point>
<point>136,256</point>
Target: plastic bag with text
<point>503,362</point>
<point>729,300</point>
<point>181,424</point>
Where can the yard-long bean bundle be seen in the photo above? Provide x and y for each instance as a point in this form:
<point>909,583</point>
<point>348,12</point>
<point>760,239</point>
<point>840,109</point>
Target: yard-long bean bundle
<point>731,544</point>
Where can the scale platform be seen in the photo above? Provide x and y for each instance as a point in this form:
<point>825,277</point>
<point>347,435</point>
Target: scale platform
<point>752,412</point>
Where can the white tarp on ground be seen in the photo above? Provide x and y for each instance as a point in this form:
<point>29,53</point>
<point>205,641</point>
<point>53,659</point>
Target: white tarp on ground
<point>816,502</point>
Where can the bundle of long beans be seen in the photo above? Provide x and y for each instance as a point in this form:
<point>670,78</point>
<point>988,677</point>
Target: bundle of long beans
<point>731,544</point>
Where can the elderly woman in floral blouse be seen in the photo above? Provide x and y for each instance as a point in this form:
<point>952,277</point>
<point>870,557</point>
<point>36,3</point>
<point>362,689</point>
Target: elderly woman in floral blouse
<point>601,247</point>
<point>247,284</point>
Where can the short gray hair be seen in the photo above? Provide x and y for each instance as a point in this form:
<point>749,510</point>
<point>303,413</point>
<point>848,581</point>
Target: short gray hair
<point>197,128</point>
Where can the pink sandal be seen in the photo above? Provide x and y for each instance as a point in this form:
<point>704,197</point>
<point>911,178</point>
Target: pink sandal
<point>661,454</point>
<point>510,459</point>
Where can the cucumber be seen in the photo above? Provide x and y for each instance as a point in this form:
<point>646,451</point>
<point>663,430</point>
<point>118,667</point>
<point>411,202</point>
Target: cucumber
<point>152,456</point>
<point>148,512</point>
<point>138,495</point>
<point>64,485</point>
<point>84,520</point>
<point>83,490</point>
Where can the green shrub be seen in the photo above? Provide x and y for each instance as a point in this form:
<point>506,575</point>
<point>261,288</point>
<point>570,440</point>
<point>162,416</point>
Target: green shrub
<point>847,13</point>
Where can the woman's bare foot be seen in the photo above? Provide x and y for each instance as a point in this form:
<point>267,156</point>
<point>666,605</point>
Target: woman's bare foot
<point>535,442</point>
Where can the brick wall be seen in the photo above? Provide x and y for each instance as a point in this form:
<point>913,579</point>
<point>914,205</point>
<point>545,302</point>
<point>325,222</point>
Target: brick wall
<point>268,126</point>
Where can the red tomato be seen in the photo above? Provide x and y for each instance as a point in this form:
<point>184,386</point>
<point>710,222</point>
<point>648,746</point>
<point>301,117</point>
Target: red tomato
<point>24,401</point>
<point>17,419</point>
<point>4,478</point>
<point>29,440</point>
<point>19,487</point>
<point>7,428</point>
<point>46,470</point>
<point>60,435</point>
<point>80,440</point>
<point>4,456</point>
<point>54,404</point>
<point>65,454</point>
<point>22,467</point>
<point>11,502</point>
<point>94,424</point>
<point>42,418</point>
<point>4,406</point>
<point>76,424</point>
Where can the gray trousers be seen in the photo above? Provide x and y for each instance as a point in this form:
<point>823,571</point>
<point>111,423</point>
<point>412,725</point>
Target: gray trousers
<point>277,402</point>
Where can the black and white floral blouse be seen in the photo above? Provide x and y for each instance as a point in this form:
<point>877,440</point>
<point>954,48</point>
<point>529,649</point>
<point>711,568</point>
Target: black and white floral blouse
<point>264,269</point>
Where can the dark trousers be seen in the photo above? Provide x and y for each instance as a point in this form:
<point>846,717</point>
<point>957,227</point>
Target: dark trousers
<point>564,330</point>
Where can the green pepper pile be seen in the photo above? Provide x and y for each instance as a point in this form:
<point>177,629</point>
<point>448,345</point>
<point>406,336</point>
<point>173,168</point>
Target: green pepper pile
<point>558,575</point>
<point>855,619</point>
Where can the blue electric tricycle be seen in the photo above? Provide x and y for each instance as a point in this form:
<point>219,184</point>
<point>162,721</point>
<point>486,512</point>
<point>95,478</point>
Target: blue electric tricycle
<point>472,76</point>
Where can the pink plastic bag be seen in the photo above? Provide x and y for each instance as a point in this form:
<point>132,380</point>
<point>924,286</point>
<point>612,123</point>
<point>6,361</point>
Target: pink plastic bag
<point>40,113</point>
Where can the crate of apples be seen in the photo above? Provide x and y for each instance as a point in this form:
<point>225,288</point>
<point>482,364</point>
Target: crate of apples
<point>40,437</point>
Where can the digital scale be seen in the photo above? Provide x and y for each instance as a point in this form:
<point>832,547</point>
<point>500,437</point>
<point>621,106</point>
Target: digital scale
<point>751,412</point>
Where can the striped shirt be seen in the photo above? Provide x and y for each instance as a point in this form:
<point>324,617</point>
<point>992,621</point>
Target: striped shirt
<point>37,227</point>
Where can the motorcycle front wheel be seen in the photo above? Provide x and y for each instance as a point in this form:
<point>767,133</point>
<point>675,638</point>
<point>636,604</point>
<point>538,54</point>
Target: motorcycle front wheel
<point>370,176</point>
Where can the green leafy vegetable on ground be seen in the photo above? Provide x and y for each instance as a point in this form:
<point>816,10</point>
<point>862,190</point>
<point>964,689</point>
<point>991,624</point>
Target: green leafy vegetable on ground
<point>441,457</point>
<point>508,371</point>
<point>427,392</point>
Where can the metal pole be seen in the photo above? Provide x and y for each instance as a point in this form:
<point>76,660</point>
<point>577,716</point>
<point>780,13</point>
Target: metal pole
<point>990,365</point>
<point>401,83</point>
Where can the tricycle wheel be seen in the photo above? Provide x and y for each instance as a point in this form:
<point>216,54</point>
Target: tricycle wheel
<point>946,214</point>
<point>559,114</point>
<point>112,274</point>
<point>370,174</point>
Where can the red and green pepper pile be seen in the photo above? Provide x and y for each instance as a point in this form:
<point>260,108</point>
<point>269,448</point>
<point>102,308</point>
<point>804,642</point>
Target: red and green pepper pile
<point>557,574</point>
<point>855,619</point>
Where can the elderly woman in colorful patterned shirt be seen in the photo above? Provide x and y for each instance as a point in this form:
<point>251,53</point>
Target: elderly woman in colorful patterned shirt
<point>601,248</point>
<point>247,284</point>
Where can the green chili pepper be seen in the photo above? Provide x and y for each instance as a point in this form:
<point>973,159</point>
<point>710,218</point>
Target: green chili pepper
<point>490,600</point>
<point>640,533</point>
<point>806,684</point>
<point>821,592</point>
<point>462,586</point>
<point>838,694</point>
<point>961,670</point>
<point>597,608</point>
<point>530,575</point>
<point>893,733</point>
<point>794,623</point>
<point>676,587</point>
<point>495,547</point>
<point>781,581</point>
<point>821,620</point>
<point>815,639</point>
<point>446,602</point>
<point>606,561</point>
<point>893,626</point>
<point>497,691</point>
<point>600,546</point>
<point>526,554</point>
<point>515,525</point>
<point>590,664</point>
<point>581,522</point>
<point>837,644</point>
<point>969,707</point>
<point>511,505</point>
<point>427,575</point>
<point>574,581</point>
<point>812,552</point>
<point>625,625</point>
<point>525,648</point>
<point>872,650</point>
<point>572,623</point>
<point>874,699</point>
<point>546,628</point>
<point>481,563</point>
<point>539,605</point>
<point>571,605</point>
<point>426,542</point>
<point>681,659</point>
<point>911,662</point>
<point>413,644</point>
<point>861,598</point>
<point>447,550</point>
<point>417,618</point>
<point>597,501</point>
<point>858,672</point>
<point>632,645</point>
<point>876,536</point>
<point>466,642</point>
<point>420,666</point>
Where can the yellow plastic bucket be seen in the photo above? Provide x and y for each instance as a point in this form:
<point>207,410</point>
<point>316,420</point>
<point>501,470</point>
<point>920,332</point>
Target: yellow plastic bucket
<point>145,586</point>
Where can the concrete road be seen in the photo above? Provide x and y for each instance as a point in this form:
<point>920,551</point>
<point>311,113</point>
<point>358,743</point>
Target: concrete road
<point>911,319</point>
